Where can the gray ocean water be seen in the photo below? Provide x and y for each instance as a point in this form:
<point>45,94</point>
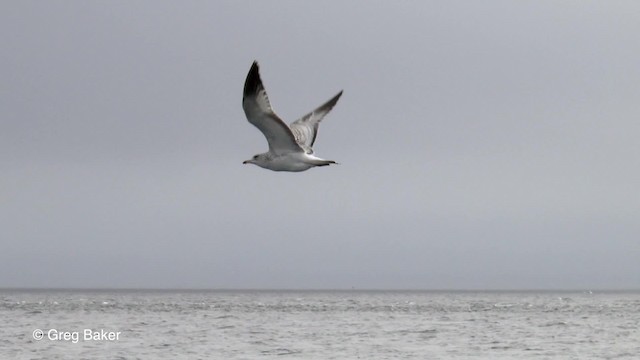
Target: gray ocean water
<point>318,325</point>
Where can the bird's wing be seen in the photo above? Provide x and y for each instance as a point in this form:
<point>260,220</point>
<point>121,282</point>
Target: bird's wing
<point>305,129</point>
<point>259,112</point>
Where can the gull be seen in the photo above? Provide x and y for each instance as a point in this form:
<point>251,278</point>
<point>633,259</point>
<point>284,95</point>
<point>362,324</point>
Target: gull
<point>290,146</point>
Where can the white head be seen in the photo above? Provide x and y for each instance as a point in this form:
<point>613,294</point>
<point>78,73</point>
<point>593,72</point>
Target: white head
<point>260,160</point>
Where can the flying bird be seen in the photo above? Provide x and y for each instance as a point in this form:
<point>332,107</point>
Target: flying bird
<point>290,146</point>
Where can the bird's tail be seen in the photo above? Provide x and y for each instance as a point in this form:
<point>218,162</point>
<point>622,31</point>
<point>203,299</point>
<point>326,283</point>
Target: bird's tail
<point>321,162</point>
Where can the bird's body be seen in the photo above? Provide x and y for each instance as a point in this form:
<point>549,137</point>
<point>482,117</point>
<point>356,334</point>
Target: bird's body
<point>293,161</point>
<point>290,146</point>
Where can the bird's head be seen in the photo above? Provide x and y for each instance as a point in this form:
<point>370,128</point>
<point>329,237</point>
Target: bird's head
<point>256,160</point>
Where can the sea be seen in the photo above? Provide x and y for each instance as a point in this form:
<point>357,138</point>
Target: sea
<point>346,324</point>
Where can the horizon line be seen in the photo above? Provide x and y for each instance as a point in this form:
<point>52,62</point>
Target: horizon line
<point>301,289</point>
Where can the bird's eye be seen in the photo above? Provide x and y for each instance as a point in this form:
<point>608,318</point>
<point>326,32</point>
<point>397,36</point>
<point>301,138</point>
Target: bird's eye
<point>255,157</point>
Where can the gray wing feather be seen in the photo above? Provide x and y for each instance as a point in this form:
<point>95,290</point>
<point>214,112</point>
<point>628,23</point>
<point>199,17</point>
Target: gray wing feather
<point>255,103</point>
<point>305,129</point>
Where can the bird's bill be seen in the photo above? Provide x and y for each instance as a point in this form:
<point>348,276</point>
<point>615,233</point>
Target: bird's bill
<point>247,162</point>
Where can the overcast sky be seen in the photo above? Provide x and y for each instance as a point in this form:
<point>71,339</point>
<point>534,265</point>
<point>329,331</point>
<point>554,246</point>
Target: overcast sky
<point>482,144</point>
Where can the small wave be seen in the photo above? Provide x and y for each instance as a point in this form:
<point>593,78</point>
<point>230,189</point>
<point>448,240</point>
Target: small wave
<point>225,317</point>
<point>281,351</point>
<point>556,323</point>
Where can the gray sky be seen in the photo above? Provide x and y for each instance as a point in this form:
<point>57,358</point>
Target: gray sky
<point>487,144</point>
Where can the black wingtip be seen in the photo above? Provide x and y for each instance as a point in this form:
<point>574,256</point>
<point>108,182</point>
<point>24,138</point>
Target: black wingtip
<point>332,102</point>
<point>338,95</point>
<point>253,82</point>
